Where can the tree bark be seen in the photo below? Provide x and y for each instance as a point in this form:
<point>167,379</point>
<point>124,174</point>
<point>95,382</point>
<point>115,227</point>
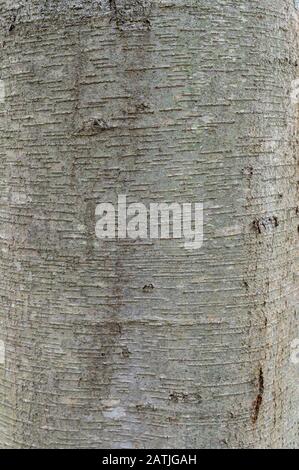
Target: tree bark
<point>166,101</point>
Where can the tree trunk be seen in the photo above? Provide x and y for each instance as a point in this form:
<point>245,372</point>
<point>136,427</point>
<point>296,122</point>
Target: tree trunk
<point>143,344</point>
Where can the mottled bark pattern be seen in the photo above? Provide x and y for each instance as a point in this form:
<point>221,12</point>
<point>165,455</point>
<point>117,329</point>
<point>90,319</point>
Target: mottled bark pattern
<point>193,97</point>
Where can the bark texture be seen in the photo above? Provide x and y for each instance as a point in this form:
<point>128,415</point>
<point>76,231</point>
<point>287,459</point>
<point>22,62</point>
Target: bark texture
<point>165,101</point>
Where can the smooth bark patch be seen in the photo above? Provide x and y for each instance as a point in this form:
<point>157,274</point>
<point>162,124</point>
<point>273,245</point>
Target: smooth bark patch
<point>2,91</point>
<point>2,352</point>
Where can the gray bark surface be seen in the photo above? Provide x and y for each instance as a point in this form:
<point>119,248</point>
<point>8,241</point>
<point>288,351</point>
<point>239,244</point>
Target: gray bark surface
<point>166,101</point>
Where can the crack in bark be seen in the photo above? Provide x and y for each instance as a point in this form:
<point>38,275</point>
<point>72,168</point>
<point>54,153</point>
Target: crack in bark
<point>265,223</point>
<point>259,398</point>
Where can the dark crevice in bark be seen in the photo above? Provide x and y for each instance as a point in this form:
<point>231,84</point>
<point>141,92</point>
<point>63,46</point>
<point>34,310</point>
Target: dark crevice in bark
<point>12,23</point>
<point>112,5</point>
<point>130,15</point>
<point>148,288</point>
<point>259,398</point>
<point>265,223</point>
